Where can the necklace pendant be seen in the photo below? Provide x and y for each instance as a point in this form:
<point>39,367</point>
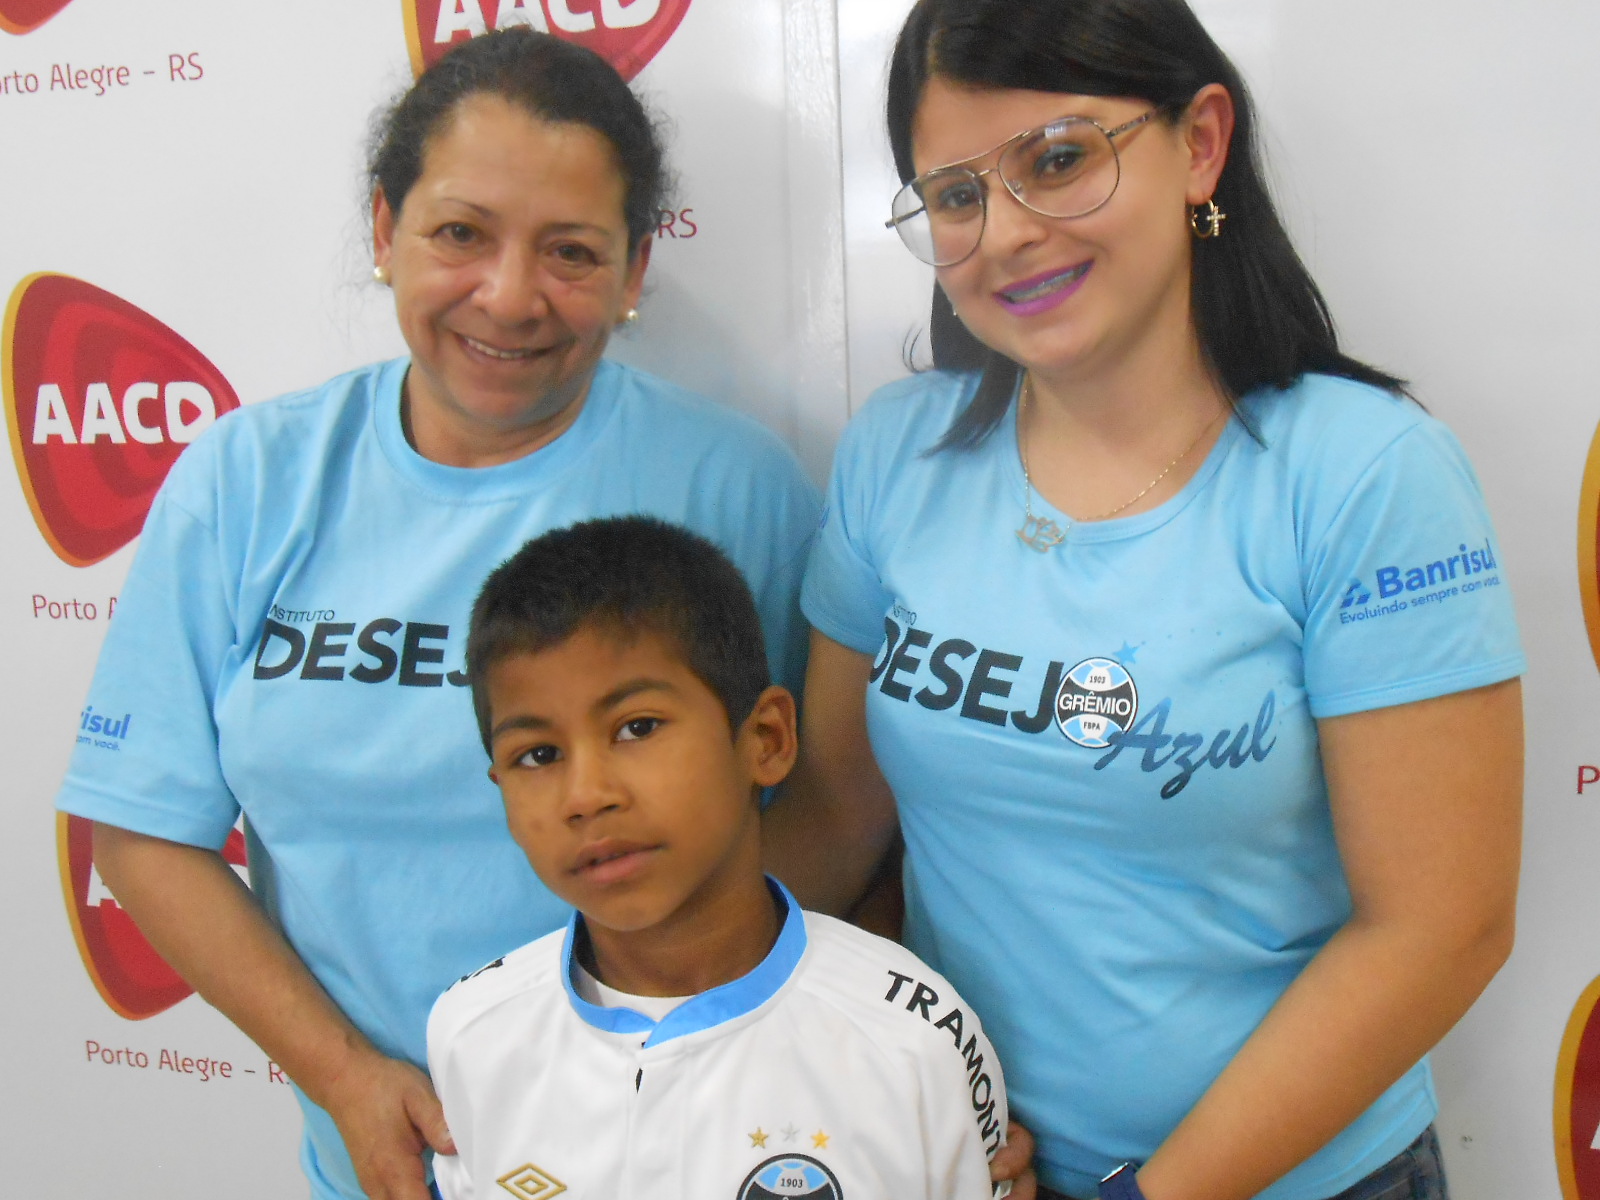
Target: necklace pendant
<point>1041,534</point>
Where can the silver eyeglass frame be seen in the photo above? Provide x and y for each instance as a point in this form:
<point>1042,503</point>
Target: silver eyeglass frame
<point>1013,186</point>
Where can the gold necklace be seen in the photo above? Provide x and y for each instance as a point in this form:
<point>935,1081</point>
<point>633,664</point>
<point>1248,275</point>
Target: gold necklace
<point>1043,534</point>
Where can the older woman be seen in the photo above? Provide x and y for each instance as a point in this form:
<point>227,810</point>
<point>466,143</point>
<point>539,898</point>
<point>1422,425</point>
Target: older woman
<point>1160,629</point>
<point>294,622</point>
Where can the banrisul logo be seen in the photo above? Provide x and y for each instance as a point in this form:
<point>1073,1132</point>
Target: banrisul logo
<point>101,398</point>
<point>1355,595</point>
<point>626,33</point>
<point>102,730</point>
<point>125,969</point>
<point>1097,701</point>
<point>1577,1100</point>
<point>24,16</point>
<point>1465,568</point>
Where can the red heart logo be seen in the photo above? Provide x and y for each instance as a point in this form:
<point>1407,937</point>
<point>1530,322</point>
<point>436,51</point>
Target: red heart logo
<point>101,398</point>
<point>626,33</point>
<point>1577,1110</point>
<point>24,16</point>
<point>127,972</point>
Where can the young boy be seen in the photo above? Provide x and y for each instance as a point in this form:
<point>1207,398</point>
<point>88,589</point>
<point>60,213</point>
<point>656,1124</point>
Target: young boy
<point>692,1035</point>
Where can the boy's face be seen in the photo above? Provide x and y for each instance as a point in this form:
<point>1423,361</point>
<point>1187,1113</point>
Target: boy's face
<point>622,781</point>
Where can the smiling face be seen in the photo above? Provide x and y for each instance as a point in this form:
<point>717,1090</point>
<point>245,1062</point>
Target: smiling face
<point>510,265</point>
<point>625,787</point>
<point>1069,296</point>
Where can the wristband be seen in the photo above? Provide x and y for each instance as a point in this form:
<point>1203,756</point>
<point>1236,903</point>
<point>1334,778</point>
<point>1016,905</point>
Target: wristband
<point>1122,1184</point>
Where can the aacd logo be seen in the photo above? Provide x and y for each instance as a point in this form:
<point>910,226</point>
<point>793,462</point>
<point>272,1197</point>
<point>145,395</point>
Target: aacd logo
<point>1588,541</point>
<point>127,972</point>
<point>626,33</point>
<point>101,399</point>
<point>24,16</point>
<point>1577,1112</point>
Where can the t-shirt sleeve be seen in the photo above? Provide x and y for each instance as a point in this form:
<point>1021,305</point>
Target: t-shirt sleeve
<point>146,755</point>
<point>843,595</point>
<point>1406,599</point>
<point>791,526</point>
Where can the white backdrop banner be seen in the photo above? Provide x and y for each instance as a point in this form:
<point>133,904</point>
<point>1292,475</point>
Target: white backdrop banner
<point>185,195</point>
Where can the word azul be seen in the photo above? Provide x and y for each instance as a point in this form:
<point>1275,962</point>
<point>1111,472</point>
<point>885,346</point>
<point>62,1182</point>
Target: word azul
<point>1231,748</point>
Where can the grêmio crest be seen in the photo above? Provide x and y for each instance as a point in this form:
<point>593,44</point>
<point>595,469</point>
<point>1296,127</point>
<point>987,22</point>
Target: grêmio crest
<point>626,33</point>
<point>791,1177</point>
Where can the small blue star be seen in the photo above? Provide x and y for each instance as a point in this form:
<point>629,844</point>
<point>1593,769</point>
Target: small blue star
<point>1126,654</point>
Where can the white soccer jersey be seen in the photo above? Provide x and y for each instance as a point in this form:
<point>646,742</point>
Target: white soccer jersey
<point>841,1068</point>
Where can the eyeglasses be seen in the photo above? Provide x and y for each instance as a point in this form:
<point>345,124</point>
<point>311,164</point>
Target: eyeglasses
<point>1067,168</point>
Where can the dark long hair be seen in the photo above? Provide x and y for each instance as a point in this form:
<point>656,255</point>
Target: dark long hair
<point>1260,318</point>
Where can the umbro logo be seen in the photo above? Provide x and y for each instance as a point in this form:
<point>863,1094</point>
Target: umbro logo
<point>529,1182</point>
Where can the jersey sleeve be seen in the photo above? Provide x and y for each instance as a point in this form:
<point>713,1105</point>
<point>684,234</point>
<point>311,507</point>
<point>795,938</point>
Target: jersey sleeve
<point>1406,599</point>
<point>843,595</point>
<point>450,1171</point>
<point>155,686</point>
<point>452,1177</point>
<point>964,1109</point>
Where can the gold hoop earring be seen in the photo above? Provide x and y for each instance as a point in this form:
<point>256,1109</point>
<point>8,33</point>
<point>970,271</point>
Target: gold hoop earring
<point>380,275</point>
<point>1210,225</point>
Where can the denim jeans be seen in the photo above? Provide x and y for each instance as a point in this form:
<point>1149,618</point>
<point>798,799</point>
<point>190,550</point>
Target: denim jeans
<point>1416,1173</point>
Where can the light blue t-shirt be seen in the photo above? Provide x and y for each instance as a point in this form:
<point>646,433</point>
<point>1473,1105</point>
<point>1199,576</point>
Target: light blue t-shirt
<point>290,641</point>
<point>1105,757</point>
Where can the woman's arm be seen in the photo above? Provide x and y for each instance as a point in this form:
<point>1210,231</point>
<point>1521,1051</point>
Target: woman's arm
<point>834,818</point>
<point>1427,810</point>
<point>203,920</point>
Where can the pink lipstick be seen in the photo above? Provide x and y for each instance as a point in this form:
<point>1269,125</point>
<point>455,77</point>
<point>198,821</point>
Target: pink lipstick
<point>1029,297</point>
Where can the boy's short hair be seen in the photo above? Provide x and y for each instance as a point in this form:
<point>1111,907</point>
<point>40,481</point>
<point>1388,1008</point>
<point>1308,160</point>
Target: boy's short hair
<point>632,574</point>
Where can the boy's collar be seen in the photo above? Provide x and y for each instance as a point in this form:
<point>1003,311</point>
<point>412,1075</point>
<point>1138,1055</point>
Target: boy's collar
<point>711,1008</point>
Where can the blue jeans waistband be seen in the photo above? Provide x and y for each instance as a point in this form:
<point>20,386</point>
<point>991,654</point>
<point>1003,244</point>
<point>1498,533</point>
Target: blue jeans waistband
<point>1416,1173</point>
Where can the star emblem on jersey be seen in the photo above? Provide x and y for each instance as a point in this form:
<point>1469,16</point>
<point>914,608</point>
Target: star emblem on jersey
<point>819,1139</point>
<point>791,1177</point>
<point>529,1182</point>
<point>759,1137</point>
<point>789,1133</point>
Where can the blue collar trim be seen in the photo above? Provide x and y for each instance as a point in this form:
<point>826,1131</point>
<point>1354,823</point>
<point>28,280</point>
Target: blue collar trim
<point>708,1009</point>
